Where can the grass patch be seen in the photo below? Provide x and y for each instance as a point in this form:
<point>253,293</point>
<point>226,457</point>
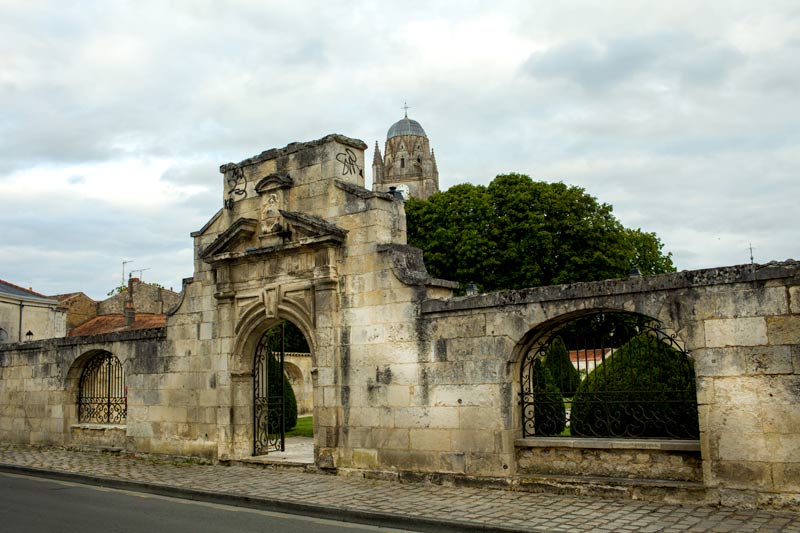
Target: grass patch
<point>303,428</point>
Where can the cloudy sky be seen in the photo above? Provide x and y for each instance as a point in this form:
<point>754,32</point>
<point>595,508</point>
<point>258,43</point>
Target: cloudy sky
<point>115,116</point>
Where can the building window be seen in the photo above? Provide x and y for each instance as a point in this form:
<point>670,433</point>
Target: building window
<point>102,395</point>
<point>402,162</point>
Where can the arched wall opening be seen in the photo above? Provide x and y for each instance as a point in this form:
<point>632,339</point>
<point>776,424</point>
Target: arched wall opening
<point>594,385</point>
<point>249,389</point>
<point>95,410</point>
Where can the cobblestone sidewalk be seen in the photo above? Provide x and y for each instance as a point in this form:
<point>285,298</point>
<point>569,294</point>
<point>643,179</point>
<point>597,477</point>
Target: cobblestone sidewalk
<point>349,497</point>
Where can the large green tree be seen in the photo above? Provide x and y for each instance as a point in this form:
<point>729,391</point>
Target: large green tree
<point>517,233</point>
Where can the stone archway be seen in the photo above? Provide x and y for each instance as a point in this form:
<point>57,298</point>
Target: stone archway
<point>107,427</point>
<point>596,386</point>
<point>250,329</point>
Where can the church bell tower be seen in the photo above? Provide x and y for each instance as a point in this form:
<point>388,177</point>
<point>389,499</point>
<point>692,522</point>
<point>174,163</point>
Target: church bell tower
<point>408,164</point>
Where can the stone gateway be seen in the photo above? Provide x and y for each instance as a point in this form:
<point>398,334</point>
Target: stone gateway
<point>406,379</point>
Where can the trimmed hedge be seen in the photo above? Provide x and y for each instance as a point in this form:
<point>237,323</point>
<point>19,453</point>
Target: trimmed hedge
<point>273,390</point>
<point>644,389</point>
<point>566,377</point>
<point>549,414</point>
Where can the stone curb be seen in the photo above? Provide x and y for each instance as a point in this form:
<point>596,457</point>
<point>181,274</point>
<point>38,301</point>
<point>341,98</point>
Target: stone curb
<point>342,514</point>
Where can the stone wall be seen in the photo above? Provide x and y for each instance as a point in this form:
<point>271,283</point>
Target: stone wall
<point>298,367</point>
<point>39,386</point>
<point>740,324</point>
<point>80,308</point>
<point>147,298</point>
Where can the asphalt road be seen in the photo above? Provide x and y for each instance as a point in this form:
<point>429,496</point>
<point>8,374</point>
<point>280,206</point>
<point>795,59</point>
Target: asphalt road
<point>31,504</point>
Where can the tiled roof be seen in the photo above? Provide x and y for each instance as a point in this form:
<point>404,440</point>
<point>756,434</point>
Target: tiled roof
<point>67,296</point>
<point>15,290</point>
<point>112,323</point>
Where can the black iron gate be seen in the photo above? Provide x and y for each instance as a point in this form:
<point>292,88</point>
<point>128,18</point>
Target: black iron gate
<point>102,395</point>
<point>609,374</point>
<point>269,427</point>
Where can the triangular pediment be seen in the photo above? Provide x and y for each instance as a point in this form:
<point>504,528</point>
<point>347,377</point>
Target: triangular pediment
<point>229,240</point>
<point>303,225</point>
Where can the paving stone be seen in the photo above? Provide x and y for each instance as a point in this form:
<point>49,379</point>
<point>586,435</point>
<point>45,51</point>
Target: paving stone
<point>488,507</point>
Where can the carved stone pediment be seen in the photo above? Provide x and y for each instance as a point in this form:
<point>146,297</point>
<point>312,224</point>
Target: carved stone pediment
<point>302,226</point>
<point>271,182</point>
<point>242,230</point>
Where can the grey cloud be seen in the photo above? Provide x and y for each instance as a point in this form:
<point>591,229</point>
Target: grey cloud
<point>665,56</point>
<point>590,65</point>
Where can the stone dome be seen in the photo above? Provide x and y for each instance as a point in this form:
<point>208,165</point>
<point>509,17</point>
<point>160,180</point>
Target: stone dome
<point>405,126</point>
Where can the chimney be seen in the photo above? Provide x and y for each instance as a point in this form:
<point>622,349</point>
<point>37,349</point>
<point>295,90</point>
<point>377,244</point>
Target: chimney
<point>129,311</point>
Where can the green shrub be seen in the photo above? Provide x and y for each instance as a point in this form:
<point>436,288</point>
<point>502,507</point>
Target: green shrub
<point>549,414</point>
<point>273,390</point>
<point>644,389</point>
<point>565,375</point>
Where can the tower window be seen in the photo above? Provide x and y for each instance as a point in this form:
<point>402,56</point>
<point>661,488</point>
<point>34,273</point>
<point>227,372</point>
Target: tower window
<point>402,162</point>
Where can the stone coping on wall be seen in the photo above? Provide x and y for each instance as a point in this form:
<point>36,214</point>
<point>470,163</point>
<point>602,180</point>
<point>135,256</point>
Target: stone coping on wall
<point>636,284</point>
<point>672,445</point>
<point>132,335</point>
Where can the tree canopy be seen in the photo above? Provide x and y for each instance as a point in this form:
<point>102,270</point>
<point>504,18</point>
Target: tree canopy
<point>517,232</point>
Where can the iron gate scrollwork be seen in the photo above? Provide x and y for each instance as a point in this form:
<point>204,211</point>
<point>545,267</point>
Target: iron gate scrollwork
<point>269,426</point>
<point>609,374</point>
<point>102,395</point>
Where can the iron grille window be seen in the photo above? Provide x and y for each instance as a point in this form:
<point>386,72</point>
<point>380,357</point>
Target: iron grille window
<point>102,396</point>
<point>609,375</point>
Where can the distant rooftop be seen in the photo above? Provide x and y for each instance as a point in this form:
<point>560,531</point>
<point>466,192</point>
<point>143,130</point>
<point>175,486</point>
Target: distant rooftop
<point>112,323</point>
<point>10,289</point>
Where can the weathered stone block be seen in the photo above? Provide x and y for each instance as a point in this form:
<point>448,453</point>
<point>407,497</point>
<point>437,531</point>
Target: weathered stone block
<point>780,418</point>
<point>430,439</point>
<point>786,476</point>
<point>794,299</point>
<point>742,474</point>
<point>465,395</point>
<point>364,458</point>
<point>426,417</point>
<point>744,447</point>
<point>737,390</point>
<point>473,440</point>
<point>736,332</point>
<point>718,362</point>
<point>783,329</point>
<point>473,325</point>
<point>486,418</point>
<point>763,301</point>
<point>733,418</point>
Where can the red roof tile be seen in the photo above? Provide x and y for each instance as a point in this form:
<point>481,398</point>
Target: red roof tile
<point>112,323</point>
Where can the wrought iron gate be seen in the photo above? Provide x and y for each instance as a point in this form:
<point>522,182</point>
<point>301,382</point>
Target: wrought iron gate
<point>609,374</point>
<point>102,396</point>
<point>269,427</point>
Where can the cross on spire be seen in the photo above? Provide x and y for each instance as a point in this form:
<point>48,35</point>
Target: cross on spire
<point>405,108</point>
